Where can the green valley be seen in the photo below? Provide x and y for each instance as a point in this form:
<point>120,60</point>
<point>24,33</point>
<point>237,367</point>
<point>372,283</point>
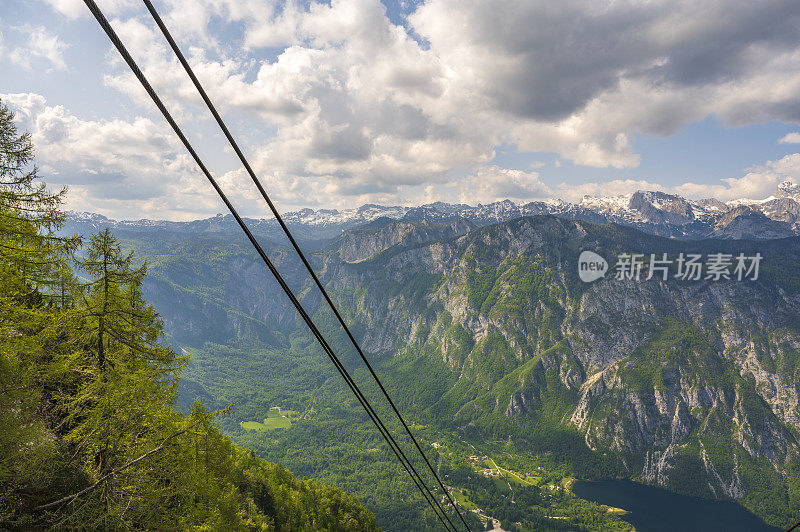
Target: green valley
<point>489,336</point>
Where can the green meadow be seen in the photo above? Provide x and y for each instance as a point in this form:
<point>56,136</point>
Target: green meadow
<point>274,420</point>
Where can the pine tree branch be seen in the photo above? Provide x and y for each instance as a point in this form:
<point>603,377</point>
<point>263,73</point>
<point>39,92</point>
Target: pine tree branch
<point>101,480</point>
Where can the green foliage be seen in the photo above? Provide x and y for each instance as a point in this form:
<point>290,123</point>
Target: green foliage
<point>479,284</point>
<point>89,437</point>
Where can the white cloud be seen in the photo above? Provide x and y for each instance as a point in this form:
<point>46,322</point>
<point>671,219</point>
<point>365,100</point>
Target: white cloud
<point>790,138</point>
<point>492,183</point>
<point>69,8</point>
<point>77,8</point>
<point>758,183</point>
<point>581,77</point>
<point>578,80</point>
<point>136,169</point>
<point>43,44</point>
<point>111,145</point>
<point>360,109</point>
<point>40,44</point>
<point>615,187</point>
<point>131,169</point>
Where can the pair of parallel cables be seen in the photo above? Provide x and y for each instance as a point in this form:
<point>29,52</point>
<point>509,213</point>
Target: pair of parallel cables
<point>426,492</point>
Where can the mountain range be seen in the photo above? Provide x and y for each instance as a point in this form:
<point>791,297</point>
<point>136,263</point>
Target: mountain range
<point>657,213</point>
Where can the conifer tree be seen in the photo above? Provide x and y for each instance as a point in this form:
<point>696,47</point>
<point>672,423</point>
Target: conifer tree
<point>123,327</point>
<point>30,215</point>
<point>35,280</point>
<point>123,407</point>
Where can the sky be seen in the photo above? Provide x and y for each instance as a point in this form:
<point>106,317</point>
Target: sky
<point>347,102</point>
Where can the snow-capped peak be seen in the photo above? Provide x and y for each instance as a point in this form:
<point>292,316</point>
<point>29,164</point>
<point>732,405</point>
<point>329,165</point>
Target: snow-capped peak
<point>607,203</point>
<point>788,189</point>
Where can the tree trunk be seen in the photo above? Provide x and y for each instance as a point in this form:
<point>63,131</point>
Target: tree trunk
<point>101,352</point>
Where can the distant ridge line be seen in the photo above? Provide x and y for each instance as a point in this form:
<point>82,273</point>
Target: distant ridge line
<point>653,212</point>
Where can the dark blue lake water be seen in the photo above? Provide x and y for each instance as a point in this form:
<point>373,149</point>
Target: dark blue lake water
<point>652,509</point>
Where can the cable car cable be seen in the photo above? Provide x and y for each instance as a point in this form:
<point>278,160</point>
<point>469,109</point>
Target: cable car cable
<point>353,386</point>
<point>168,36</point>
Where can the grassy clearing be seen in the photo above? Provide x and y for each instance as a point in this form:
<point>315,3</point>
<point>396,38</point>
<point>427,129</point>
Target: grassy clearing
<point>518,480</point>
<point>463,501</point>
<point>274,420</point>
<point>252,425</point>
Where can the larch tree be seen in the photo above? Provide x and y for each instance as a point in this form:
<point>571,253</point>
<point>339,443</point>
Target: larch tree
<point>133,374</point>
<point>35,283</point>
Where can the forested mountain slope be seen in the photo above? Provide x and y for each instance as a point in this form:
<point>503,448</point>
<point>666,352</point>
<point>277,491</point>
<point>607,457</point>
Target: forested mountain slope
<point>689,384</point>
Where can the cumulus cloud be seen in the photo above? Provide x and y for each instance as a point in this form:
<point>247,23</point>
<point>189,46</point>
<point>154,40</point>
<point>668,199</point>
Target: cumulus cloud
<point>493,183</point>
<point>358,108</point>
<point>77,8</point>
<point>124,168</point>
<point>790,138</point>
<point>40,44</point>
<point>69,8</point>
<point>136,169</point>
<point>761,180</point>
<point>549,62</point>
<point>358,104</point>
<point>615,187</point>
<point>578,79</point>
<point>575,76</point>
<point>757,183</point>
<point>84,145</point>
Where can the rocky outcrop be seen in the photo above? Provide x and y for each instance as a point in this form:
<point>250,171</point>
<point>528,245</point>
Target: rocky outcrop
<point>660,208</point>
<point>368,241</point>
<point>747,222</point>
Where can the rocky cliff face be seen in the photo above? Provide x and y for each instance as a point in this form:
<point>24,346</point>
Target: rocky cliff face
<point>692,384</point>
<point>746,222</point>
<point>376,237</point>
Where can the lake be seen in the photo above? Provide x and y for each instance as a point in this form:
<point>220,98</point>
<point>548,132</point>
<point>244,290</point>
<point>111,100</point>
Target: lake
<point>652,509</point>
